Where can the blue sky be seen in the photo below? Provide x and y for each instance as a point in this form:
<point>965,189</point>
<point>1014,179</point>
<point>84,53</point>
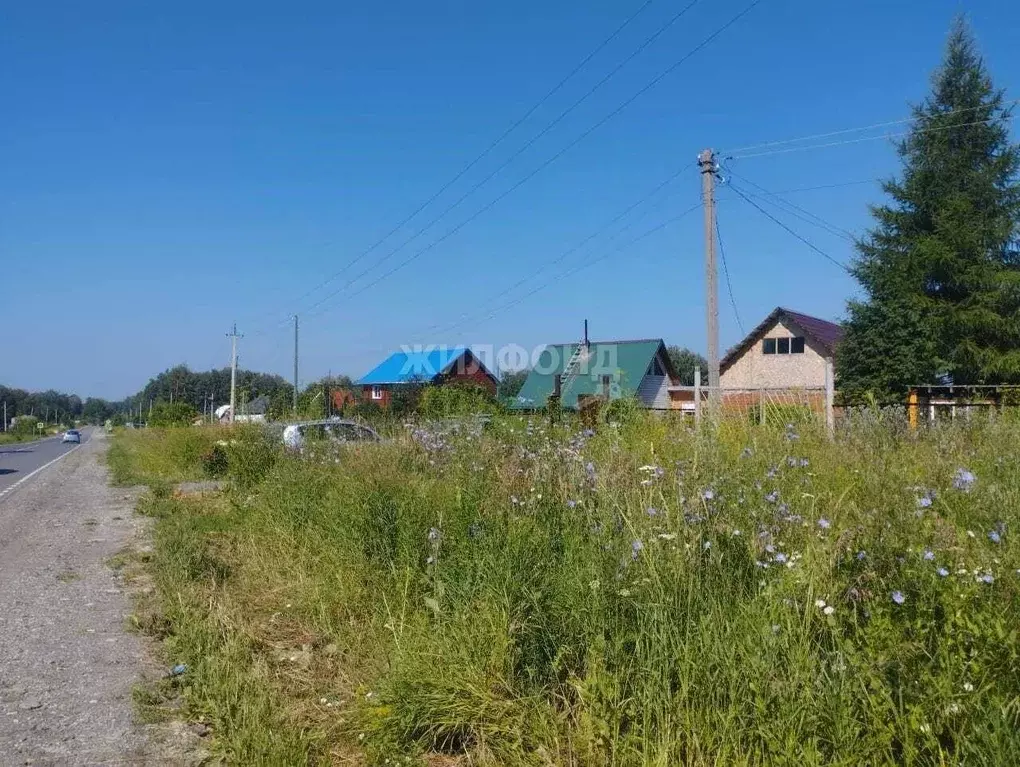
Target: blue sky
<point>167,171</point>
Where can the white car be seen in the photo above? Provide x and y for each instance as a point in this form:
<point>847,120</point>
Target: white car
<point>71,435</point>
<point>295,435</point>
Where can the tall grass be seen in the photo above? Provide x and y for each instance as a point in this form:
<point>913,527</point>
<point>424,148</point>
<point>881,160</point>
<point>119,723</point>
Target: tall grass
<point>646,595</point>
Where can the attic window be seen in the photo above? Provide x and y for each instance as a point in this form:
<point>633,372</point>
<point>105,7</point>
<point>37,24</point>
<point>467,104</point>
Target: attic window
<point>784,345</point>
<point>655,368</point>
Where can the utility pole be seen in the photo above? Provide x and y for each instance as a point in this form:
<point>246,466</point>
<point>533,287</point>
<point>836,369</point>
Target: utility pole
<point>233,336</point>
<point>295,363</point>
<point>706,161</point>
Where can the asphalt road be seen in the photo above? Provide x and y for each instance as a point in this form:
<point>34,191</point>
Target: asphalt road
<point>19,460</point>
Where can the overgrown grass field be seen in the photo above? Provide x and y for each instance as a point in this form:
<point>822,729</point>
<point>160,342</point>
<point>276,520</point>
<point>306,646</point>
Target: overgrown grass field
<point>645,595</point>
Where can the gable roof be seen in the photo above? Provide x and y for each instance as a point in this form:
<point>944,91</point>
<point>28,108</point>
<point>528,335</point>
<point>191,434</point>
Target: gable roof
<point>419,365</point>
<point>630,361</point>
<point>824,333</point>
<point>257,406</point>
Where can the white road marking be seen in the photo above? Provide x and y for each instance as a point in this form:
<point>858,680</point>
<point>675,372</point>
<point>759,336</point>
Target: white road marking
<point>29,476</point>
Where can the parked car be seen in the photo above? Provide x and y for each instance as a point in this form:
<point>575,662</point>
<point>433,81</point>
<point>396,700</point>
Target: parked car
<point>71,435</point>
<point>296,436</point>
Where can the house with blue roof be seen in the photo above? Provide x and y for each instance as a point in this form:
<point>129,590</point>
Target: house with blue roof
<point>430,365</point>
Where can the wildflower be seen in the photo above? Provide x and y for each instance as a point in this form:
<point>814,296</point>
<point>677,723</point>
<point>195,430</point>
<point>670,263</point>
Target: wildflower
<point>781,557</point>
<point>513,500</point>
<point>771,473</point>
<point>987,578</point>
<point>968,687</point>
<point>819,603</point>
<point>706,545</point>
<point>746,452</point>
<point>588,433</point>
<point>963,480</point>
<point>829,610</point>
<point>474,531</point>
<point>635,548</point>
<point>791,461</point>
<point>772,497</point>
<point>924,502</point>
<point>898,598</point>
<point>929,555</point>
<point>804,463</point>
<point>651,511</point>
<point>953,708</point>
<point>571,503</point>
<point>667,536</point>
<point>824,523</point>
<point>861,555</point>
<point>708,495</point>
<point>942,572</point>
<point>775,628</point>
<point>994,537</point>
<point>434,534</point>
<point>430,560</point>
<point>736,532</point>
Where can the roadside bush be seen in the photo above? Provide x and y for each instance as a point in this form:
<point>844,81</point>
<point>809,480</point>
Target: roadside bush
<point>166,414</point>
<point>447,401</point>
<point>214,461</point>
<point>251,456</point>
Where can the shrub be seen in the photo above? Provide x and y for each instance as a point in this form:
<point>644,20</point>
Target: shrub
<point>165,414</point>
<point>446,401</point>
<point>214,460</point>
<point>251,456</point>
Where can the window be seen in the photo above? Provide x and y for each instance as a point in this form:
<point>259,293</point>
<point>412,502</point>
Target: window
<point>655,368</point>
<point>376,392</point>
<point>783,345</point>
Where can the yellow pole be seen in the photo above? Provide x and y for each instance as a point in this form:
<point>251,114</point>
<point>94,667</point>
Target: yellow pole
<point>912,408</point>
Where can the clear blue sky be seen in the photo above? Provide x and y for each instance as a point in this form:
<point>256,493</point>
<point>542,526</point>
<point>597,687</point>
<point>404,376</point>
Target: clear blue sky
<point>167,170</point>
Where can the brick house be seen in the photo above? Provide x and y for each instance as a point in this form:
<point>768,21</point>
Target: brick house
<point>435,366</point>
<point>787,350</point>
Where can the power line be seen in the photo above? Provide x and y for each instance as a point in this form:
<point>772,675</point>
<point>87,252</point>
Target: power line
<point>844,131</point>
<point>829,186</point>
<point>574,248</point>
<point>648,41</point>
<point>648,86</point>
<point>775,220</point>
<point>914,132</point>
<point>726,274</point>
<point>795,210</point>
<point>575,269</point>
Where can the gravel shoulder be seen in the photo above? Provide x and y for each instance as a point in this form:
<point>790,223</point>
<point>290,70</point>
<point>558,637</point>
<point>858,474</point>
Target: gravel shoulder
<point>67,662</point>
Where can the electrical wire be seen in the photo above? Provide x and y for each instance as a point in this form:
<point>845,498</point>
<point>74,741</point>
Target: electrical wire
<point>726,274</point>
<point>830,186</point>
<point>776,221</point>
<point>630,100</point>
<point>795,210</point>
<point>845,131</point>
<point>488,150</point>
<point>914,132</point>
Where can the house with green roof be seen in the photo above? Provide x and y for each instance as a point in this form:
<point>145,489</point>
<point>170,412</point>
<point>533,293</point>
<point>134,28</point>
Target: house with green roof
<point>610,369</point>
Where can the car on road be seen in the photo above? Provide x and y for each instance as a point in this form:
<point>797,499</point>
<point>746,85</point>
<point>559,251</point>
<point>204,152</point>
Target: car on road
<point>297,436</point>
<point>71,435</point>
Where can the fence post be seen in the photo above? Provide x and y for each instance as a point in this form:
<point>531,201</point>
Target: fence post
<point>697,396</point>
<point>830,416</point>
<point>761,406</point>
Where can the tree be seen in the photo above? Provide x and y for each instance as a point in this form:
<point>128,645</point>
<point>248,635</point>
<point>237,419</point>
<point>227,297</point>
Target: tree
<point>511,382</point>
<point>941,269</point>
<point>685,361</point>
<point>175,414</point>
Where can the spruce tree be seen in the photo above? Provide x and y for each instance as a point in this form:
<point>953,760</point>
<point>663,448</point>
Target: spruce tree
<point>941,268</point>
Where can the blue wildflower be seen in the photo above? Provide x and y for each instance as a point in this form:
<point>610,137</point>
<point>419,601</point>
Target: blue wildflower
<point>708,495</point>
<point>434,534</point>
<point>924,502</point>
<point>898,598</point>
<point>929,555</point>
<point>571,503</point>
<point>635,548</point>
<point>963,480</point>
<point>781,558</point>
<point>987,578</point>
<point>772,497</point>
<point>994,537</point>
<point>824,523</point>
<point>804,463</point>
<point>861,555</point>
<point>651,511</point>
<point>746,452</point>
<point>942,572</point>
<point>791,461</point>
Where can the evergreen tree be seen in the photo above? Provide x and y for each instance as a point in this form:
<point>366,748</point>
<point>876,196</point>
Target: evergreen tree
<point>941,268</point>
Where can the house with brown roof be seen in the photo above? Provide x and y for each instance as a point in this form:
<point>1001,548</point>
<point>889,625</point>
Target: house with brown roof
<point>787,350</point>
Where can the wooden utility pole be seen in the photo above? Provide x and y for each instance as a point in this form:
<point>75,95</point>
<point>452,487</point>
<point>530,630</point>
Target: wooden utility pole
<point>706,161</point>
<point>233,336</point>
<point>295,362</point>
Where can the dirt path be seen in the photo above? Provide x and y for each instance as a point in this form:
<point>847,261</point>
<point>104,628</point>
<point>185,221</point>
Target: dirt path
<point>67,664</point>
